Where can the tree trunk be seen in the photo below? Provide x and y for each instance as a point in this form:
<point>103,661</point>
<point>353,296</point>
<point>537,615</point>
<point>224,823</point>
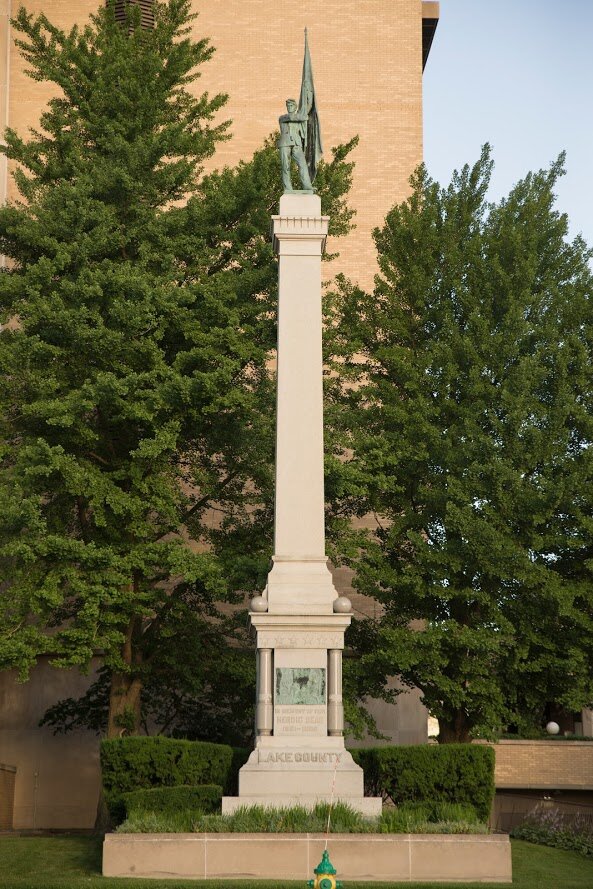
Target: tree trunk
<point>124,705</point>
<point>456,729</point>
<point>126,690</point>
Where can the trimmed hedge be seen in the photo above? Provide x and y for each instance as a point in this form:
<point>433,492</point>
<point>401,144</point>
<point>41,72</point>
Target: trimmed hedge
<point>142,762</point>
<point>170,800</point>
<point>131,763</point>
<point>453,773</point>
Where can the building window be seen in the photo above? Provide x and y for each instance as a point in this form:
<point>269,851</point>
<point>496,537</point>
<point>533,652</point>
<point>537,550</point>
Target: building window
<point>146,11</point>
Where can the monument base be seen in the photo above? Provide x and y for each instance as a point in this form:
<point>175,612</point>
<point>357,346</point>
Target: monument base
<point>278,776</point>
<point>369,806</point>
<point>386,858</point>
<point>299,756</point>
<point>293,580</point>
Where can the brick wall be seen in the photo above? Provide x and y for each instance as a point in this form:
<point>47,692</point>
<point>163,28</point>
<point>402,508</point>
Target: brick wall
<point>558,765</point>
<point>7,778</point>
<point>367,62</point>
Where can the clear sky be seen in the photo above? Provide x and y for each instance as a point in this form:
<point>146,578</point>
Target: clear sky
<point>517,74</point>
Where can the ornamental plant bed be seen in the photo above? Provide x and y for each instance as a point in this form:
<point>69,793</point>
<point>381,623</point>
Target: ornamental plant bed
<point>415,841</point>
<point>424,817</point>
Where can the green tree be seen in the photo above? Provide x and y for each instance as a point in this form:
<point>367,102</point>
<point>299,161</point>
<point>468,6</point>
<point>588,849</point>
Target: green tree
<point>468,437</point>
<point>135,391</point>
<point>185,694</point>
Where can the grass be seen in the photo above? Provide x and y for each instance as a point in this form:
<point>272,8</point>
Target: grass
<point>75,863</point>
<point>408,818</point>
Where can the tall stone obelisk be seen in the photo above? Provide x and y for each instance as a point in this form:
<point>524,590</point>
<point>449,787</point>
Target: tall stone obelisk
<point>300,620</point>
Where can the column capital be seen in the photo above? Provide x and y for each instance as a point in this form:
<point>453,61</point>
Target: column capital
<point>300,631</point>
<point>299,229</point>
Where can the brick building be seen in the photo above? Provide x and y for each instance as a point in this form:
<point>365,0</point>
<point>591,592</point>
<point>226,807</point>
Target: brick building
<point>368,60</point>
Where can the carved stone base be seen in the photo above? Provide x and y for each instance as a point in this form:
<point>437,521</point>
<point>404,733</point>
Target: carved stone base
<point>300,757</point>
<point>294,581</point>
<point>279,775</point>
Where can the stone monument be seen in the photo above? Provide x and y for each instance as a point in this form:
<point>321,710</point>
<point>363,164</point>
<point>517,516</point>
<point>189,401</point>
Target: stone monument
<point>299,755</point>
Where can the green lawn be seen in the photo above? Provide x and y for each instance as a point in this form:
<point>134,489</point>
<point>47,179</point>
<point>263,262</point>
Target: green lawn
<point>75,862</point>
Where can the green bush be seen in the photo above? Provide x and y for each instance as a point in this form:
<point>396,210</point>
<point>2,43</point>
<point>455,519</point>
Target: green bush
<point>166,800</point>
<point>157,822</point>
<point>430,817</point>
<point>449,773</point>
<point>254,819</point>
<point>551,827</point>
<point>131,763</point>
<point>142,762</point>
<point>568,840</point>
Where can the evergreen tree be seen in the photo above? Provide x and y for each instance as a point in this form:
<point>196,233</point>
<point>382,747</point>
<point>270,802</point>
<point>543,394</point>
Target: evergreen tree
<point>136,395</point>
<point>467,437</point>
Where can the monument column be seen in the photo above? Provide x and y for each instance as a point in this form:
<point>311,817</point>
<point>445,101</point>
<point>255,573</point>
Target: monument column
<point>300,621</point>
<point>300,579</point>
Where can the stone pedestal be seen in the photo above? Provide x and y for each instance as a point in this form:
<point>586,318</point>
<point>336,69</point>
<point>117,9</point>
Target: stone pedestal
<point>299,757</point>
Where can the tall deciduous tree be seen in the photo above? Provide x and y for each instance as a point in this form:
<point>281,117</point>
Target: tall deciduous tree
<point>136,396</point>
<point>468,436</point>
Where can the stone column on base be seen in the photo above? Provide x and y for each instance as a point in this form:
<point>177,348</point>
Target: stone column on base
<point>264,717</point>
<point>299,757</point>
<point>335,707</point>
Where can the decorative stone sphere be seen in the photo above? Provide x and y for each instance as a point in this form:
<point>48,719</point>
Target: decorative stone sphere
<point>258,604</point>
<point>552,728</point>
<point>342,605</point>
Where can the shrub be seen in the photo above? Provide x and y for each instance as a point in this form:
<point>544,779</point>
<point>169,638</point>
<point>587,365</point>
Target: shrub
<point>166,800</point>
<point>157,822</point>
<point>448,773</point>
<point>131,763</point>
<point>255,819</point>
<point>142,762</point>
<point>549,827</point>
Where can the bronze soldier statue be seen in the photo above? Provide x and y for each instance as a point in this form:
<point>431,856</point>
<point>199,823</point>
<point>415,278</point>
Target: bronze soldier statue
<point>300,135</point>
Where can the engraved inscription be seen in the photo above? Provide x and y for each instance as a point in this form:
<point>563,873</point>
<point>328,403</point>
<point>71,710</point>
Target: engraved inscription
<point>300,685</point>
<point>300,720</point>
<point>277,639</point>
<point>287,756</point>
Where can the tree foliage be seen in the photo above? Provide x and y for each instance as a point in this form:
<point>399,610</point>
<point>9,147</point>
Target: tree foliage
<point>135,391</point>
<point>201,687</point>
<point>468,437</point>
